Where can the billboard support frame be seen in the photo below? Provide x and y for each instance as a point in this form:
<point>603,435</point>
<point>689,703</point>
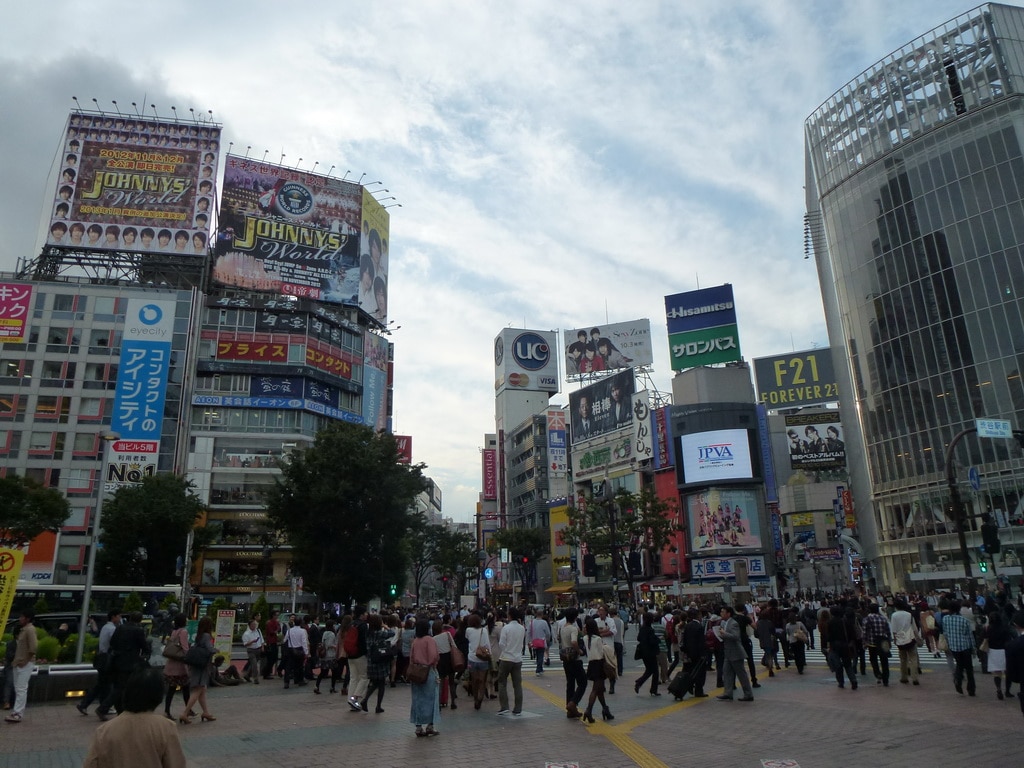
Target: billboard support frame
<point>113,267</point>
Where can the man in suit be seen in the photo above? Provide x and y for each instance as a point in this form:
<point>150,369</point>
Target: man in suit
<point>129,648</point>
<point>735,656</point>
<point>694,647</point>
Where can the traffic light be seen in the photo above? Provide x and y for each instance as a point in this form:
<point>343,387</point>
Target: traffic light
<point>983,566</point>
<point>990,536</point>
<point>393,590</point>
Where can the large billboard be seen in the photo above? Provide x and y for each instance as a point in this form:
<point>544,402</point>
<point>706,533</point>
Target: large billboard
<point>288,231</point>
<point>717,456</point>
<point>702,327</point>
<point>816,441</point>
<point>800,378</point>
<point>723,519</point>
<point>558,455</point>
<point>140,391</point>
<point>130,183</point>
<point>15,306</point>
<point>376,352</point>
<point>525,360</point>
<point>608,347</point>
<point>603,407</point>
<point>373,259</point>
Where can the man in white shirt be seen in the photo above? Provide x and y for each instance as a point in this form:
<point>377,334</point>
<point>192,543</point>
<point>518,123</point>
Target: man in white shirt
<point>512,641</point>
<point>252,640</point>
<point>296,642</point>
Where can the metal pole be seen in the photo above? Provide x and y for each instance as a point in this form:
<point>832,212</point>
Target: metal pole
<point>957,506</point>
<point>83,622</point>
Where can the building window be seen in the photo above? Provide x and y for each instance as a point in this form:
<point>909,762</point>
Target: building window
<point>85,442</point>
<point>40,441</point>
<point>90,407</point>
<point>64,302</point>
<point>80,480</point>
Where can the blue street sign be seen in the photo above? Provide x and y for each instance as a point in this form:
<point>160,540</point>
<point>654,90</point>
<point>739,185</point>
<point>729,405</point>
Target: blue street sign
<point>488,573</point>
<point>975,477</point>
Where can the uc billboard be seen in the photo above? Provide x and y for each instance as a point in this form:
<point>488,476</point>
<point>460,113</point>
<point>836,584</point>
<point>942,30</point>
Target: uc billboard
<point>525,360</point>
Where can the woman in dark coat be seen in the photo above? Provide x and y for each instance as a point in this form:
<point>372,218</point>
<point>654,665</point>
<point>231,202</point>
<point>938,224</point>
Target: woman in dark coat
<point>199,677</point>
<point>647,647</point>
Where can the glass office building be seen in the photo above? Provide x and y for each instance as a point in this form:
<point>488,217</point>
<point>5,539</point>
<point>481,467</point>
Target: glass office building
<point>915,179</point>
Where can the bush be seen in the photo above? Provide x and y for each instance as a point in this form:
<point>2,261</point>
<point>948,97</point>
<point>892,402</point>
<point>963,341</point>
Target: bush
<point>70,648</point>
<point>41,606</point>
<point>48,650</point>
<point>133,603</point>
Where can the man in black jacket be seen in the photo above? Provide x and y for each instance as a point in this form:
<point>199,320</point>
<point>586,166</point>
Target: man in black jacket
<point>129,649</point>
<point>694,646</point>
<point>1015,658</point>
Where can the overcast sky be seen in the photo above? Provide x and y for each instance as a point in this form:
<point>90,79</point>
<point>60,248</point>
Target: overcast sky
<point>558,164</point>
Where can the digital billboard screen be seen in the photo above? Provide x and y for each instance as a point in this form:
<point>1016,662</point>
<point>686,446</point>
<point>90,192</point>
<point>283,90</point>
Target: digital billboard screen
<point>284,230</point>
<point>722,518</point>
<point>716,456</point>
<point>136,184</point>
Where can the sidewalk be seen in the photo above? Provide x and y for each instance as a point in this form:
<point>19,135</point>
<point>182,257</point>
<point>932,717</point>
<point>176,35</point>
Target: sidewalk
<point>803,718</point>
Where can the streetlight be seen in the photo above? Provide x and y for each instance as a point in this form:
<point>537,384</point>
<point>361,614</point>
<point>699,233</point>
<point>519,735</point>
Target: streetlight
<point>83,621</point>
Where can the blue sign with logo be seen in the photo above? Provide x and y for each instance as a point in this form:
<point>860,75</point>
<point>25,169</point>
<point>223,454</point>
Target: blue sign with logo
<point>142,370</point>
<point>531,351</point>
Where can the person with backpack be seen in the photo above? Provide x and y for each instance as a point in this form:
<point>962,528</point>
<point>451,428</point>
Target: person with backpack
<point>355,650</point>
<point>379,653</point>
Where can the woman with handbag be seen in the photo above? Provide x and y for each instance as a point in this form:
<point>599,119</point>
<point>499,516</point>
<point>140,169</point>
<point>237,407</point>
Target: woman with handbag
<point>175,669</point>
<point>445,665</point>
<point>478,658</point>
<point>422,673</point>
<point>199,670</point>
<point>596,672</point>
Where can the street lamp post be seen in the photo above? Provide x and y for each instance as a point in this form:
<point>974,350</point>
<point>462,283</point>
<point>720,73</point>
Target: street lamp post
<point>83,622</point>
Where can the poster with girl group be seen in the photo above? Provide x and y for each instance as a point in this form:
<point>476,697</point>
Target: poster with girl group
<point>723,519</point>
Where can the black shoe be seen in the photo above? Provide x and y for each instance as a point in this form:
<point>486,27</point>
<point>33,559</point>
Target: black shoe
<point>80,706</point>
<point>379,710</point>
<point>755,685</point>
<point>102,715</point>
<point>746,698</point>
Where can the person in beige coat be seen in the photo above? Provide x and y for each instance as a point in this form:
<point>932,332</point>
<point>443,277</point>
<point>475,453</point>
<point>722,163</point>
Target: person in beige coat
<point>138,736</point>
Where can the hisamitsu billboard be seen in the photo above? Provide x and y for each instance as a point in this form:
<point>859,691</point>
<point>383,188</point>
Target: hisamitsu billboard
<point>704,308</point>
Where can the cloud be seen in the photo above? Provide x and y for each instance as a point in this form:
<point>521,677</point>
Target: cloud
<point>556,164</point>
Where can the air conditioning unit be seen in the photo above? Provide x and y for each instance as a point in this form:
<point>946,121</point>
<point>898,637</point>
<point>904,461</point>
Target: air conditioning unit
<point>943,558</point>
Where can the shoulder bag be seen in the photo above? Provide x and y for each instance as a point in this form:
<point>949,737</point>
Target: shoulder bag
<point>482,651</point>
<point>173,649</point>
<point>458,659</point>
<point>198,655</point>
<point>417,673</point>
<point>568,651</point>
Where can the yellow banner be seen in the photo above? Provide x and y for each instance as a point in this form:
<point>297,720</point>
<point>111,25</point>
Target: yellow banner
<point>801,518</point>
<point>10,568</point>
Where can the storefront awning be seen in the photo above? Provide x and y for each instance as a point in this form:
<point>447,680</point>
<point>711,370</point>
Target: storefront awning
<point>559,589</point>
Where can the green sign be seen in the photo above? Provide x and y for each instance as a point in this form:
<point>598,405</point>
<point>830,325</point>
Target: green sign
<point>705,346</point>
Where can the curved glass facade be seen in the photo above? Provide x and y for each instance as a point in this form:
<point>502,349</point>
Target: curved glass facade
<point>919,172</point>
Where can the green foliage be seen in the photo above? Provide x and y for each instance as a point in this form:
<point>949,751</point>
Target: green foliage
<point>641,520</point>
<point>220,604</point>
<point>262,607</point>
<point>41,606</point>
<point>343,505</point>
<point>133,602</point>
<point>169,598</point>
<point>70,648</point>
<point>145,528</point>
<point>27,509</point>
<point>48,649</point>
<point>532,542</point>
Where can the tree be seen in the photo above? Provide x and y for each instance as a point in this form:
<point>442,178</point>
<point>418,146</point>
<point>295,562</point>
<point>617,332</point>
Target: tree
<point>531,543</point>
<point>456,556</point>
<point>622,524</point>
<point>420,545</point>
<point>28,509</point>
<point>344,505</point>
<point>145,529</point>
